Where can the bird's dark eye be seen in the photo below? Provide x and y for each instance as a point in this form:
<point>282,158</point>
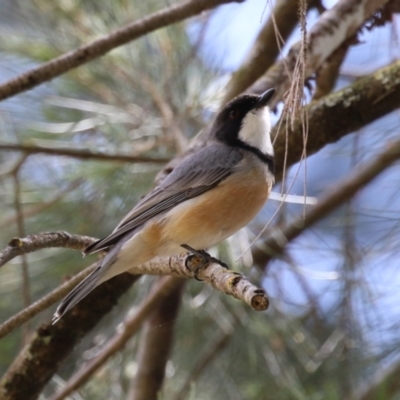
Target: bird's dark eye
<point>233,114</point>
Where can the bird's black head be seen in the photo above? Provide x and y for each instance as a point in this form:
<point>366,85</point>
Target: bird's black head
<point>245,122</point>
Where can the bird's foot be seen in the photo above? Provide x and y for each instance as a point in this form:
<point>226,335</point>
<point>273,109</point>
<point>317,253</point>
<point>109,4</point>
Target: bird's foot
<point>199,260</point>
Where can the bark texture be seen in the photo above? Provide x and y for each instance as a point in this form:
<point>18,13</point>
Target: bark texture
<point>341,113</point>
<point>335,26</point>
<point>154,348</point>
<point>40,359</point>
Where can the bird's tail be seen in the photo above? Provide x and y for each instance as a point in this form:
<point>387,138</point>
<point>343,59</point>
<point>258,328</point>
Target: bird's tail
<point>103,272</point>
<point>78,293</point>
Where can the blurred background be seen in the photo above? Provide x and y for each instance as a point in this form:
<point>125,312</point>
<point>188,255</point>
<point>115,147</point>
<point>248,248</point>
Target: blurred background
<point>332,327</point>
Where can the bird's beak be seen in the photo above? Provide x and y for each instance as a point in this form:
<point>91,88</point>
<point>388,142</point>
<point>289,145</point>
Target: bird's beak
<point>264,98</point>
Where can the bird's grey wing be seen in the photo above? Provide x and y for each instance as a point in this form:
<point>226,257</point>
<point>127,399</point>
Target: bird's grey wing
<point>199,173</point>
<point>194,176</point>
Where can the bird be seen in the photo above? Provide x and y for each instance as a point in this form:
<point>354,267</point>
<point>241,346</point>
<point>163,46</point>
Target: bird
<point>206,198</point>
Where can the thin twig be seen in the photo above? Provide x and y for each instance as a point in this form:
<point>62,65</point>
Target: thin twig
<point>80,154</point>
<point>219,278</point>
<point>45,302</point>
<point>293,108</point>
<point>336,25</point>
<point>266,47</point>
<point>19,246</point>
<point>38,208</point>
<point>26,292</point>
<point>218,343</point>
<point>104,44</point>
<point>222,279</point>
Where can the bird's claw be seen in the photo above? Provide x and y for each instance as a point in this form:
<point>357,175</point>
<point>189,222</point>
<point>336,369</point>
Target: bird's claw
<point>199,259</point>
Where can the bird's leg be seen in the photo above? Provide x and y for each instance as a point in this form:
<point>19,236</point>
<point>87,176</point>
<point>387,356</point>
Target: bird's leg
<point>201,258</point>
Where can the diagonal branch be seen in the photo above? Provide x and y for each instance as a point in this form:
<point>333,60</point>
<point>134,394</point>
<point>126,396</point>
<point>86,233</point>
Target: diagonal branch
<point>335,26</point>
<point>329,118</point>
<point>332,199</point>
<point>213,274</point>
<point>266,47</point>
<point>104,44</point>
<point>43,304</point>
<point>131,325</point>
<point>341,113</point>
<point>41,358</point>
<point>385,384</point>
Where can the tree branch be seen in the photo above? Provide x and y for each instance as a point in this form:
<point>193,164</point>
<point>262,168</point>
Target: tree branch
<point>159,292</point>
<point>337,24</point>
<point>385,384</point>
<point>332,199</point>
<point>18,246</point>
<point>341,113</point>
<point>266,48</point>
<point>40,359</point>
<point>156,340</point>
<point>44,348</point>
<point>81,154</point>
<point>328,119</point>
<point>41,347</point>
<point>48,348</point>
<point>328,73</point>
<point>224,280</point>
<point>44,303</point>
<point>104,44</point>
<point>219,278</point>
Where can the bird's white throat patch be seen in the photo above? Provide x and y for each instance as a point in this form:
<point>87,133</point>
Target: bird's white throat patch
<point>255,130</point>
